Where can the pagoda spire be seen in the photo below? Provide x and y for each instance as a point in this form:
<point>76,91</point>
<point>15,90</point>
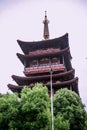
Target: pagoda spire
<point>46,28</point>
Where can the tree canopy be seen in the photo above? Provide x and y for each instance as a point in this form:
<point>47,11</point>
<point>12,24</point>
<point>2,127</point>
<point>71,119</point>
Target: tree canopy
<point>69,105</point>
<point>31,111</point>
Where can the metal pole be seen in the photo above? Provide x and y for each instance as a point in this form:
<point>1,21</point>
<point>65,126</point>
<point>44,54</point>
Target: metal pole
<point>51,92</point>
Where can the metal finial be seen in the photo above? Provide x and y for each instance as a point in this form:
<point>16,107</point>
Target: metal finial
<point>46,28</point>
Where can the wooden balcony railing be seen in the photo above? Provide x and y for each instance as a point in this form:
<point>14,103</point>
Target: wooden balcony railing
<point>42,69</point>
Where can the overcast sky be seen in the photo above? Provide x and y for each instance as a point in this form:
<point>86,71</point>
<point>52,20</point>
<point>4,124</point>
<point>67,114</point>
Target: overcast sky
<point>22,19</point>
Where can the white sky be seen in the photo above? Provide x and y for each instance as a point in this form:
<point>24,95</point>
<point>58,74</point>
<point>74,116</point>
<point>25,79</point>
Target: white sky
<point>22,19</point>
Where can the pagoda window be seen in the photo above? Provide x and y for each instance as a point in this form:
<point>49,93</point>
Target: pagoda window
<point>44,62</point>
<point>34,63</point>
<point>55,61</point>
<point>58,60</point>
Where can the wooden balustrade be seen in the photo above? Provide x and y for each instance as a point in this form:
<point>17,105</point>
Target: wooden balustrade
<point>42,69</point>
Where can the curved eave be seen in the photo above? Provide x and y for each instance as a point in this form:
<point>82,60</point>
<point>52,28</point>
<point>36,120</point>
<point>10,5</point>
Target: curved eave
<point>57,86</point>
<point>24,57</point>
<point>21,57</point>
<point>60,52</point>
<point>65,83</point>
<point>15,88</point>
<point>61,42</point>
<point>26,80</point>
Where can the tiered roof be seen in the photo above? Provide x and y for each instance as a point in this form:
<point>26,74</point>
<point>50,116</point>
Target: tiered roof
<point>60,42</point>
<point>56,85</point>
<point>26,80</point>
<point>63,74</point>
<point>41,53</point>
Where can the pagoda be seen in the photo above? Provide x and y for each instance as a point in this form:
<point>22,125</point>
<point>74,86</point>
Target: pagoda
<point>39,57</point>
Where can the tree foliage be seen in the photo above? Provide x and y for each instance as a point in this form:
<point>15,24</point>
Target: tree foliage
<point>61,123</point>
<point>69,104</point>
<point>29,112</point>
<point>8,110</point>
<point>36,105</point>
<point>85,127</point>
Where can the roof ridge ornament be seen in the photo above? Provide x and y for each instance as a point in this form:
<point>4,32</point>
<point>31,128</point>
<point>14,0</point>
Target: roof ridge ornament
<point>46,28</point>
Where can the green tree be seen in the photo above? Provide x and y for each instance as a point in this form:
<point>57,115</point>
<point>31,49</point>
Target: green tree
<point>29,112</point>
<point>69,104</point>
<point>36,108</point>
<point>8,110</point>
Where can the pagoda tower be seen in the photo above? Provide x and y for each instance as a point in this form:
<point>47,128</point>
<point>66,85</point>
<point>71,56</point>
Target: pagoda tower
<point>39,57</point>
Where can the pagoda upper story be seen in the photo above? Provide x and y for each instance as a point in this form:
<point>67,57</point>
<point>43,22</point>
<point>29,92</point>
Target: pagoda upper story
<point>40,57</point>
